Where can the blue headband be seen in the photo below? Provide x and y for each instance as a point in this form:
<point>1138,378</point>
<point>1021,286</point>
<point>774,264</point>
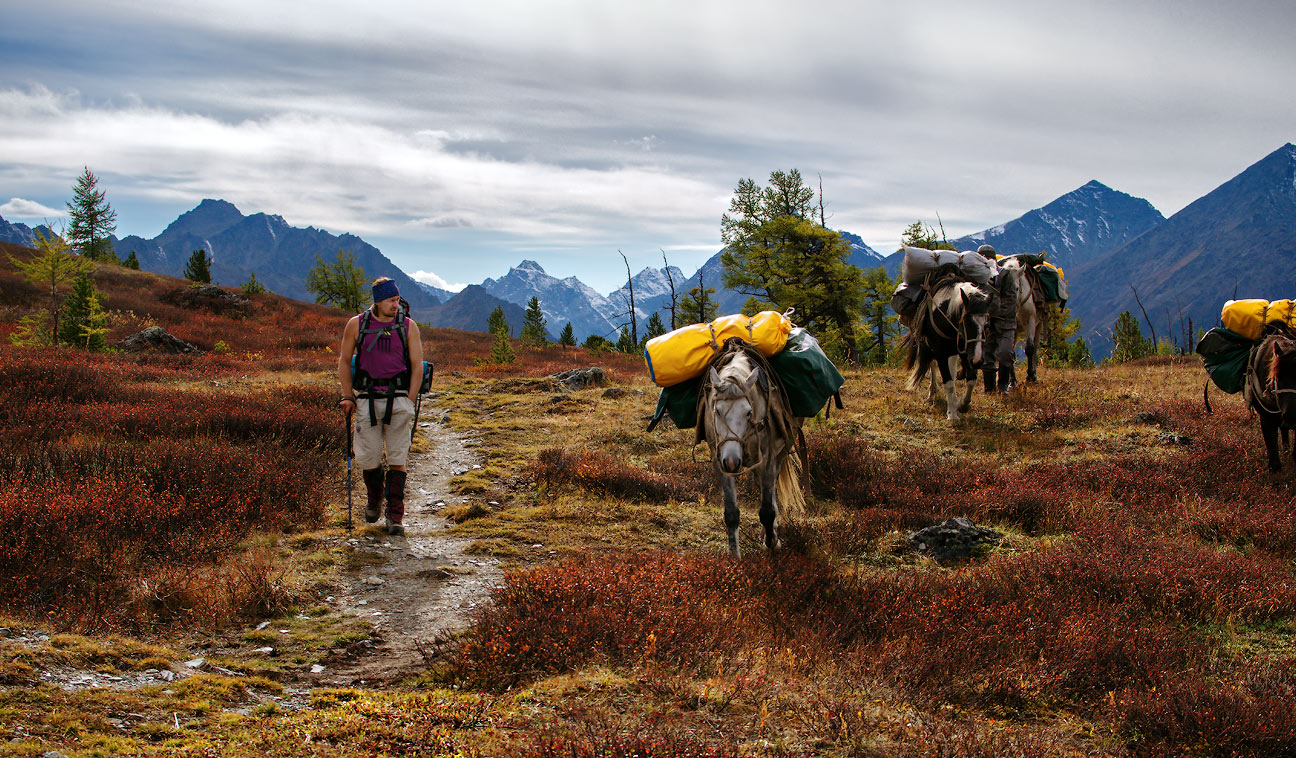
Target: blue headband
<point>385,290</point>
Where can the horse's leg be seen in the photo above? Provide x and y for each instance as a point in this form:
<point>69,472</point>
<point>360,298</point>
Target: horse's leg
<point>769,473</point>
<point>970,380</point>
<point>729,485</point>
<point>1032,343</point>
<point>931,387</point>
<point>948,367</point>
<point>1269,428</point>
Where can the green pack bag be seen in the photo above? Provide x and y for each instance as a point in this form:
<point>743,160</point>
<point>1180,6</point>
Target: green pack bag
<point>1225,354</point>
<point>808,376</point>
<point>679,401</point>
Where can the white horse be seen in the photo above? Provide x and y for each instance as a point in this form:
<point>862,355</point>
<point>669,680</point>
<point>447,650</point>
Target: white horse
<point>749,428</point>
<point>1029,318</point>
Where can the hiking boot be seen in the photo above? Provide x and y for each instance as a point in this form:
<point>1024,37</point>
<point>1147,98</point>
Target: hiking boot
<point>373,480</point>
<point>395,501</point>
<point>1006,383</point>
<point>989,373</point>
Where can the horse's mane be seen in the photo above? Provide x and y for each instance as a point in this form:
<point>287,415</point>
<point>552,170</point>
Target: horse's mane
<point>1277,358</point>
<point>732,376</point>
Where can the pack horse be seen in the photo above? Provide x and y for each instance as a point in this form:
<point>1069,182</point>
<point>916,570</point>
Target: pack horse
<point>947,329</point>
<point>1030,312</point>
<point>1270,390</point>
<point>745,418</point>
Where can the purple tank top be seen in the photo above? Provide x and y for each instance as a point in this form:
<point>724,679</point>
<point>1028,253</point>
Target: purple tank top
<point>381,354</point>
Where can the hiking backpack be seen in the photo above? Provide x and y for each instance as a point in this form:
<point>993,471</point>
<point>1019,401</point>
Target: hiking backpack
<point>365,385</point>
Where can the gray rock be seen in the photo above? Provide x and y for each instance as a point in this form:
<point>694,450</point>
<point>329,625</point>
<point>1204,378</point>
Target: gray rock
<point>614,393</point>
<point>1171,438</point>
<point>196,663</point>
<point>581,378</point>
<point>954,540</point>
<point>157,339</point>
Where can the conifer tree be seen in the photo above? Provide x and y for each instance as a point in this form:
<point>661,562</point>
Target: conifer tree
<point>84,322</point>
<point>252,286</point>
<point>777,252</point>
<point>533,324</point>
<point>502,350</point>
<point>1128,342</point>
<point>625,343</point>
<point>131,261</point>
<point>697,306</point>
<point>654,328</point>
<point>198,267</point>
<point>91,220</point>
<point>340,284</point>
<point>568,337</point>
<point>49,270</point>
<point>497,322</point>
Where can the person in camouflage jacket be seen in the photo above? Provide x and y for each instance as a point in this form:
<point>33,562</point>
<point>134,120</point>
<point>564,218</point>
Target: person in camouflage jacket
<point>1000,345</point>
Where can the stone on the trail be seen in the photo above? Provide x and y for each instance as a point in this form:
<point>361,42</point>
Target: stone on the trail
<point>954,540</point>
<point>581,378</point>
<point>375,581</point>
<point>196,663</point>
<point>317,669</point>
<point>166,675</point>
<point>262,625</point>
<point>264,650</point>
<point>158,339</point>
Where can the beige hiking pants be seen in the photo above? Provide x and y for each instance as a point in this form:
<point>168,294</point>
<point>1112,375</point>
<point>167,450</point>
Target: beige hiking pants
<point>394,437</point>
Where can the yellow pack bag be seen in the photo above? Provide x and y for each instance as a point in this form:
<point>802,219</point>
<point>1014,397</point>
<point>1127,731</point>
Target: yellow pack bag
<point>680,355</point>
<point>1249,317</point>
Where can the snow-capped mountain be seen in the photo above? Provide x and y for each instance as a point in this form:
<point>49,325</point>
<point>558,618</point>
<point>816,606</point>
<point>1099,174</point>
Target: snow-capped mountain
<point>561,300</point>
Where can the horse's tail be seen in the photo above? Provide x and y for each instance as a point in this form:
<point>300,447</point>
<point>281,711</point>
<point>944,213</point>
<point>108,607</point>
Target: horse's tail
<point>787,490</point>
<point>917,368</point>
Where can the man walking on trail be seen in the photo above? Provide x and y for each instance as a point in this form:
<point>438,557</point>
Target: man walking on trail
<point>388,355</point>
<point>1001,328</point>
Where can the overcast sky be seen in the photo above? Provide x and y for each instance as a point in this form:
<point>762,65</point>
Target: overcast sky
<point>462,137</point>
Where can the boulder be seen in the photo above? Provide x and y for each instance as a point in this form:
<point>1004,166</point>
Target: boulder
<point>954,540</point>
<point>209,297</point>
<point>581,378</point>
<point>157,339</point>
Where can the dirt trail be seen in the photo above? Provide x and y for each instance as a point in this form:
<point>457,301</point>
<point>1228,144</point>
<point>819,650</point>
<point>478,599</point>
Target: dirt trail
<point>423,584</point>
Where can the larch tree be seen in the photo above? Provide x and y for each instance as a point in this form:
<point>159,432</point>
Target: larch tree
<point>777,252</point>
<point>340,284</point>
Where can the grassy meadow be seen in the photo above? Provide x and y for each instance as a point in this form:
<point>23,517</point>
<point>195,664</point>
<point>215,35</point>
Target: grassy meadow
<point>1141,601</point>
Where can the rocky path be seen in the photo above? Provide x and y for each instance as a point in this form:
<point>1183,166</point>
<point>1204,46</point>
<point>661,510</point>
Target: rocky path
<point>422,585</point>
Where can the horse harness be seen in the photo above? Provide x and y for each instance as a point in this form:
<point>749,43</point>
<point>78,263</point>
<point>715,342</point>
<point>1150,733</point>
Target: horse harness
<point>777,405</point>
<point>923,316</point>
<point>1257,391</point>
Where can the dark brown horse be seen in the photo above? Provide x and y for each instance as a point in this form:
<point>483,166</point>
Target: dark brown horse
<point>947,330</point>
<point>1270,390</point>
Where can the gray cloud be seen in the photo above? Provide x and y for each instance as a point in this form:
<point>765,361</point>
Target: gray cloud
<point>578,126</point>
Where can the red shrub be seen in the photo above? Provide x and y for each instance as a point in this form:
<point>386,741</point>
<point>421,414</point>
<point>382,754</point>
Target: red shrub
<point>603,473</point>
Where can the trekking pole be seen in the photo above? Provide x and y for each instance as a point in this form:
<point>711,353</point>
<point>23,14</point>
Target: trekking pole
<point>350,455</point>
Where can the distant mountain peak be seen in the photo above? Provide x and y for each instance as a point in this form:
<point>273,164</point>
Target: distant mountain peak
<point>530,266</point>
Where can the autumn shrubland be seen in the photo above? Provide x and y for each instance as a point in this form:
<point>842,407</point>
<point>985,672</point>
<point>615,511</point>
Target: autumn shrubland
<point>1142,601</point>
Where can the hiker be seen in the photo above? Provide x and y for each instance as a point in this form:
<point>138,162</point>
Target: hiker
<point>389,370</point>
<point>1001,328</point>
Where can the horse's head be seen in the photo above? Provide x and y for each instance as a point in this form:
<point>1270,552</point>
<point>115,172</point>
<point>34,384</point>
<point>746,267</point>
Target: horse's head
<point>973,310</point>
<point>1281,379</point>
<point>738,405</point>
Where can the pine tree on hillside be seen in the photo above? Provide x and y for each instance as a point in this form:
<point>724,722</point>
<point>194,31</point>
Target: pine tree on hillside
<point>252,286</point>
<point>1128,342</point>
<point>502,350</point>
<point>84,322</point>
<point>697,307</point>
<point>654,328</point>
<point>91,220</point>
<point>625,343</point>
<point>131,261</point>
<point>198,267</point>
<point>497,322</point>
<point>533,324</point>
<point>568,337</point>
